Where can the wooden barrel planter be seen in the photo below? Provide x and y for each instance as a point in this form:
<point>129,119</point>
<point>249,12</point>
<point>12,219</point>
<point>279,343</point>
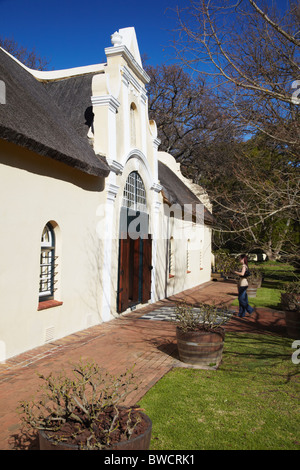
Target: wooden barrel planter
<point>252,290</point>
<point>292,319</point>
<point>139,442</point>
<point>200,347</point>
<point>290,303</point>
<point>217,277</point>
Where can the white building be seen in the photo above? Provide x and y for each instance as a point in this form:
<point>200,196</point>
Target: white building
<point>92,219</point>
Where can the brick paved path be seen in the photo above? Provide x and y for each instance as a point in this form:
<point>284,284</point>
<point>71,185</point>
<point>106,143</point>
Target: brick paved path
<point>115,346</point>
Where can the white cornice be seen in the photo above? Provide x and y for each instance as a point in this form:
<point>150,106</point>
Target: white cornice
<point>106,100</point>
<point>144,97</point>
<point>156,142</point>
<point>156,187</point>
<point>124,52</point>
<point>115,166</point>
<point>127,76</point>
<point>112,191</point>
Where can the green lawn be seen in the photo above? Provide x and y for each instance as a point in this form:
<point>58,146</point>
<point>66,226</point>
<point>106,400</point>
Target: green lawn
<point>265,297</point>
<point>250,402</point>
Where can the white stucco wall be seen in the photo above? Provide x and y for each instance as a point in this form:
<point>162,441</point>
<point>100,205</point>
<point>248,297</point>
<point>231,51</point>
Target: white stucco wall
<point>33,191</point>
<point>85,211</point>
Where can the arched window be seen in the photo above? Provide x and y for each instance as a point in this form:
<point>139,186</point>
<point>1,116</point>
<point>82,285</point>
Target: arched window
<point>47,263</point>
<point>134,196</point>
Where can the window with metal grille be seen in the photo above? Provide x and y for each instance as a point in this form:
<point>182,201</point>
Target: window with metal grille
<point>134,196</point>
<point>47,263</point>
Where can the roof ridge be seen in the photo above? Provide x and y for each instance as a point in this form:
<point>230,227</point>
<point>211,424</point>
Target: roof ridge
<point>49,75</point>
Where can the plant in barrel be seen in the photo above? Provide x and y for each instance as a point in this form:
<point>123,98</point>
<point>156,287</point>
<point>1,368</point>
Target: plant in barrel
<point>200,333</point>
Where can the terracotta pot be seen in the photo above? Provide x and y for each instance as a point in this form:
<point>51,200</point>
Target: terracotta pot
<point>200,347</point>
<point>140,442</point>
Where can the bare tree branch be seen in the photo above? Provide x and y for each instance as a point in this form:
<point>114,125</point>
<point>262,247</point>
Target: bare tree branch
<point>289,37</point>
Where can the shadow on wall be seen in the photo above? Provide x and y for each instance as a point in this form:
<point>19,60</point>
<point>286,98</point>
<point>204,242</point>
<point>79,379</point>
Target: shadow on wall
<point>23,159</point>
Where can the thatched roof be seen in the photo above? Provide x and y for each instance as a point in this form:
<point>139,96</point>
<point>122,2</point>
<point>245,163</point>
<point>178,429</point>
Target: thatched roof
<point>176,192</point>
<point>73,96</point>
<point>31,118</point>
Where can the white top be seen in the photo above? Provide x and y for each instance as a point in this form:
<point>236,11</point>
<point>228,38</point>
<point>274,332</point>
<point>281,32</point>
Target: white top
<point>242,280</point>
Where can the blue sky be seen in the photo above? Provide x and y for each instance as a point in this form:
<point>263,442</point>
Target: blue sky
<point>71,33</point>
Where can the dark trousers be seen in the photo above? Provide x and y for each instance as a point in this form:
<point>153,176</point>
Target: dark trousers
<point>243,302</point>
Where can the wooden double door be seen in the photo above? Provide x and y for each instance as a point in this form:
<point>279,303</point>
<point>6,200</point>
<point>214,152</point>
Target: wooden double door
<point>135,267</point>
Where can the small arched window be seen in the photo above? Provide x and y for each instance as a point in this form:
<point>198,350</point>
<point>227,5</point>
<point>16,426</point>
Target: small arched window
<point>47,263</point>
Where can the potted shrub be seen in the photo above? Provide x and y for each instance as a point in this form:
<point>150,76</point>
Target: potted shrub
<point>199,332</point>
<point>290,303</point>
<point>83,410</point>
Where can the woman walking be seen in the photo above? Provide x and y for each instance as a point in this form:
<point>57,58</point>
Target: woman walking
<point>242,288</point>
